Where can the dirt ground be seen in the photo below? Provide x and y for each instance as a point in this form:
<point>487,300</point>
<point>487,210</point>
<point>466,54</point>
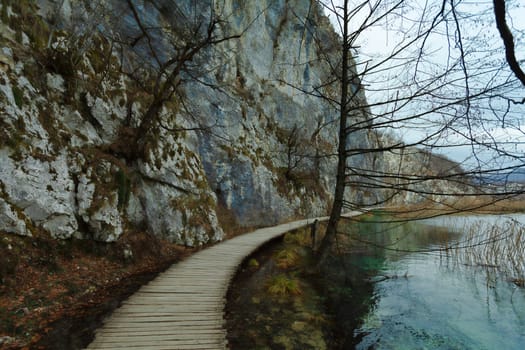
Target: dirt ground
<point>54,294</point>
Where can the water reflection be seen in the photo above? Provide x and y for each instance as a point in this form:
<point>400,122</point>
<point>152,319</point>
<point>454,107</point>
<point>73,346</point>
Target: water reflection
<point>409,292</point>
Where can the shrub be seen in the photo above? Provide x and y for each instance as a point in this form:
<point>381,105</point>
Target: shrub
<point>299,237</point>
<point>287,257</point>
<point>18,94</point>
<point>7,321</point>
<point>253,263</point>
<point>123,187</point>
<point>4,16</point>
<point>282,285</point>
<point>8,263</point>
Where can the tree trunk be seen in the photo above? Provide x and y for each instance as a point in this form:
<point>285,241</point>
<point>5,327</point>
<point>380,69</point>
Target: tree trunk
<point>337,207</point>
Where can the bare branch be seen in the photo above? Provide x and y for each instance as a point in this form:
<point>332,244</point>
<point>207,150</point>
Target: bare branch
<point>508,39</point>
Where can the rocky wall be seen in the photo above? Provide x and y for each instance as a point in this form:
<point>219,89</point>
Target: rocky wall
<point>63,111</point>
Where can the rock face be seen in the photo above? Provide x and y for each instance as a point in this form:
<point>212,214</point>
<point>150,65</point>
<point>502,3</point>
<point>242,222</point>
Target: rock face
<point>239,139</point>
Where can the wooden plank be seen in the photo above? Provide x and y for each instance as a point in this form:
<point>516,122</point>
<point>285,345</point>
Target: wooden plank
<point>163,345</point>
<point>172,302</point>
<point>141,333</point>
<point>183,308</point>
<point>180,324</point>
<point>182,291</point>
<point>189,317</point>
<point>210,338</point>
<point>159,347</point>
<point>179,315</point>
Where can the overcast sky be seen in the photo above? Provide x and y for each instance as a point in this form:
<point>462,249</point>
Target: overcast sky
<point>482,41</point>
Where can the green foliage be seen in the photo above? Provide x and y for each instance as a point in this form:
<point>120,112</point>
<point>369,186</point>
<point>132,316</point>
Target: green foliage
<point>51,125</point>
<point>8,262</point>
<point>7,321</point>
<point>228,150</point>
<point>194,210</point>
<point>282,285</point>
<point>18,95</point>
<point>22,7</point>
<point>123,188</point>
<point>4,135</point>
<point>72,288</point>
<point>101,59</point>
<point>61,62</point>
<point>38,33</point>
<point>4,17</point>
<point>9,137</point>
<point>26,20</point>
<point>253,263</point>
<point>341,290</point>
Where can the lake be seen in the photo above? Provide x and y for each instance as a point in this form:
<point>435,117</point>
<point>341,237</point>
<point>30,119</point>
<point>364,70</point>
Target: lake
<point>416,294</point>
<point>445,283</point>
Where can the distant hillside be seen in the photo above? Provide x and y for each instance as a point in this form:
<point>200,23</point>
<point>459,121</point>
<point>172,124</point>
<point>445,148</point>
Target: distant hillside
<point>515,176</point>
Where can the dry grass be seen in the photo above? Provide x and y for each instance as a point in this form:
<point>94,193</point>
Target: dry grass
<point>287,257</point>
<point>299,237</point>
<point>460,205</point>
<point>282,285</point>
<point>499,246</point>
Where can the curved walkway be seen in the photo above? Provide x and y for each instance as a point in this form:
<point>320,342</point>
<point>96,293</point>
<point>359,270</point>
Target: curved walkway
<point>183,307</point>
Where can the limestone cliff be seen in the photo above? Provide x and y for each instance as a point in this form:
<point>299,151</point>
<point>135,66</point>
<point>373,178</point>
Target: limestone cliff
<point>237,144</point>
<point>226,147</point>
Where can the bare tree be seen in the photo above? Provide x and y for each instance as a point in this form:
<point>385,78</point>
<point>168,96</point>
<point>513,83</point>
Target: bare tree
<point>295,150</point>
<point>344,106</point>
<point>448,97</point>
<point>163,45</point>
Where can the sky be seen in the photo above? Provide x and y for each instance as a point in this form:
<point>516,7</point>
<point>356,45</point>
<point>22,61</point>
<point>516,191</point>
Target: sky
<point>484,50</point>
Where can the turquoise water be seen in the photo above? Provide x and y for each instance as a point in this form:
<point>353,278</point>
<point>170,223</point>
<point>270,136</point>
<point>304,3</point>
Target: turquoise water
<point>421,298</point>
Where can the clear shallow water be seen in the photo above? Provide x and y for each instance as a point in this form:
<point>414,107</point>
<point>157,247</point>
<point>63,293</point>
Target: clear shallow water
<point>429,300</point>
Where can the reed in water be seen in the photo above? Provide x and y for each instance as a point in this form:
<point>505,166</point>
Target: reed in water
<point>498,246</point>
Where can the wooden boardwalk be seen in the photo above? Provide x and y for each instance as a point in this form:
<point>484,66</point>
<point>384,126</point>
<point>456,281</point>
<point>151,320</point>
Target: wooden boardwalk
<point>183,308</point>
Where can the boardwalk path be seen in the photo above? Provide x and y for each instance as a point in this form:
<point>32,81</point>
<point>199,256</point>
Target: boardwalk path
<point>183,308</point>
